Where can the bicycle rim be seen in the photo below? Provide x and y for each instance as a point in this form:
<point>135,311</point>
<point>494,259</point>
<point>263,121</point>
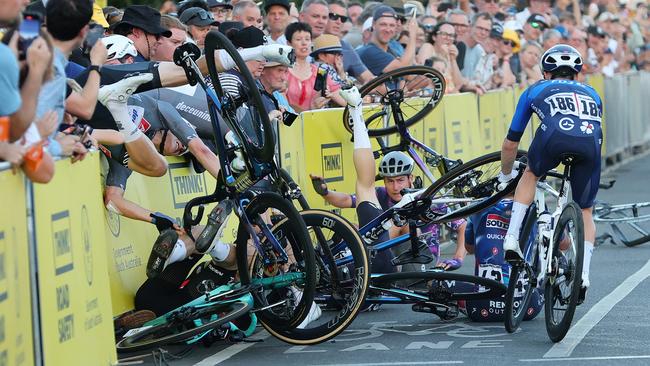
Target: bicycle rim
<point>562,287</point>
<point>517,296</point>
<point>292,234</point>
<point>439,286</point>
<point>469,188</point>
<point>338,301</point>
<point>174,330</point>
<point>426,83</point>
<point>250,122</point>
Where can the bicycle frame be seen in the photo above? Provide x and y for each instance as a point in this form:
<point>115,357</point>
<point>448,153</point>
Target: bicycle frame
<point>628,214</point>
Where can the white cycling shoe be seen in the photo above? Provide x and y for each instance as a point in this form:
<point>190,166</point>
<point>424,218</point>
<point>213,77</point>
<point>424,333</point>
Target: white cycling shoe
<point>314,311</point>
<point>511,248</point>
<point>279,53</point>
<point>351,96</point>
<point>121,91</point>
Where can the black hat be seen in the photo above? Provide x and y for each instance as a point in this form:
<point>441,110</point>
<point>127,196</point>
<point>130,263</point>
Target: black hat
<point>219,3</point>
<point>597,31</point>
<point>197,16</point>
<point>228,25</point>
<point>143,17</point>
<point>536,18</point>
<point>497,31</point>
<point>282,3</point>
<point>248,37</point>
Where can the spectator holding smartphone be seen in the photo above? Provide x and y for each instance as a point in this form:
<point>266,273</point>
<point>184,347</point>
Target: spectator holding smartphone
<point>302,76</point>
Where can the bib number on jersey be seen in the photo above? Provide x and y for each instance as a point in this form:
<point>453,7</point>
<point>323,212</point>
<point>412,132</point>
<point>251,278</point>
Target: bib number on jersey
<point>490,271</point>
<point>581,106</point>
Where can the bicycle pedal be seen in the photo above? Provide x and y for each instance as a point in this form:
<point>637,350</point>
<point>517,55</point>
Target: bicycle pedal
<point>513,258</point>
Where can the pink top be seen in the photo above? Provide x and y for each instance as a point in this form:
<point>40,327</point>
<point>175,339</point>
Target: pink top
<point>301,92</point>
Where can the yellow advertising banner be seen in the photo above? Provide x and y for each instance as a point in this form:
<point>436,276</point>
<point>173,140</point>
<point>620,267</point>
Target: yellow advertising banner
<point>490,119</point>
<point>16,332</point>
<point>75,300</point>
<point>461,126</point>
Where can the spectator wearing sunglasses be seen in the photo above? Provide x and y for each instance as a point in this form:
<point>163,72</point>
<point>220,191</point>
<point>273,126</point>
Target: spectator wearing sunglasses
<point>248,13</point>
<point>220,9</point>
<point>501,48</point>
<point>277,19</point>
<point>376,55</point>
<point>394,46</point>
<point>141,24</point>
<point>352,64</point>
<point>534,27</point>
<point>199,22</point>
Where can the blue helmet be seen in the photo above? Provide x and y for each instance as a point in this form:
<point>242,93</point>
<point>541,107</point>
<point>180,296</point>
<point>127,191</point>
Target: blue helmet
<point>561,56</point>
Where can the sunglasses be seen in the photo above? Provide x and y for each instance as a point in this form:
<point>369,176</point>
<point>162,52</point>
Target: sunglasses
<point>401,19</point>
<point>536,25</point>
<point>509,42</point>
<point>335,17</point>
<point>204,15</point>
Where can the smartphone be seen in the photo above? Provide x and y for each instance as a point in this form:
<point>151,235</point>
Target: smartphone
<point>320,84</point>
<point>28,31</point>
<point>288,118</point>
<point>95,32</point>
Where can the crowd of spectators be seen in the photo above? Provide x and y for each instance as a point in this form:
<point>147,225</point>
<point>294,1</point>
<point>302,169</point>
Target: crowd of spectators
<point>478,45</point>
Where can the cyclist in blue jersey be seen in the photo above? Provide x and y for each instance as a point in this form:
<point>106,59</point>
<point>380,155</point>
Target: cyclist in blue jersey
<point>570,114</point>
<point>484,238</point>
<point>396,169</point>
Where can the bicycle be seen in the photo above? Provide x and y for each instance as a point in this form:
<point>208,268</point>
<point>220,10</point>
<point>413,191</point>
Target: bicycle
<point>389,92</point>
<point>553,259</point>
<point>284,249</point>
<point>624,220</point>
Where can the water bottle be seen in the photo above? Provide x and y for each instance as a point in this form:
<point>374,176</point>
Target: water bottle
<point>237,164</point>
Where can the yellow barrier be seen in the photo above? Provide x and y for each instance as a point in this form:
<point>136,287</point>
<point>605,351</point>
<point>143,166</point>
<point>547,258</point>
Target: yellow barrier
<point>16,332</point>
<point>75,307</point>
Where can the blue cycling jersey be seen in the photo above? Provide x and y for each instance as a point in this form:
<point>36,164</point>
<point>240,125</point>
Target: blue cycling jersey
<point>485,232</point>
<point>569,105</point>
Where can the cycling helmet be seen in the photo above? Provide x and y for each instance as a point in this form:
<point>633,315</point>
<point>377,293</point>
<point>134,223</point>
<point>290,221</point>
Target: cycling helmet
<point>394,164</point>
<point>119,46</point>
<point>561,57</point>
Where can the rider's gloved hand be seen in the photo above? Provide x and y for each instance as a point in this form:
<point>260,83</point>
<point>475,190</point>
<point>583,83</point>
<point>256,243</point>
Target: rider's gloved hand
<point>450,264</point>
<point>505,179</point>
<point>162,221</point>
<point>319,185</point>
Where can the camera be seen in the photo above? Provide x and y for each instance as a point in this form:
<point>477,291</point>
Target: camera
<point>28,31</point>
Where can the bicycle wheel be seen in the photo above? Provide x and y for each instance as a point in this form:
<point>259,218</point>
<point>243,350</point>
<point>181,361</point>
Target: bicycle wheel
<point>522,276</point>
<point>468,188</point>
<point>279,306</point>
<point>406,82</point>
<point>562,285</point>
<point>343,277</point>
<point>182,324</point>
<point>438,286</point>
<point>246,116</point>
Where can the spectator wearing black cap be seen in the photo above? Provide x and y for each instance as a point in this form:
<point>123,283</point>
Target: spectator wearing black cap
<point>375,55</point>
<point>199,22</point>
<point>220,9</point>
<point>534,7</point>
<point>534,27</point>
<point>141,24</point>
<point>351,62</point>
<point>247,12</point>
<point>276,18</point>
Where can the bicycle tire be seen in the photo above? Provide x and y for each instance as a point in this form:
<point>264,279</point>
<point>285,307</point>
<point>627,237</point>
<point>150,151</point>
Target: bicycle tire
<point>135,342</point>
<point>462,182</point>
<point>352,292</point>
<point>438,92</point>
<point>514,316</point>
<point>495,288</point>
<point>293,229</point>
<point>557,328</point>
<point>264,153</point>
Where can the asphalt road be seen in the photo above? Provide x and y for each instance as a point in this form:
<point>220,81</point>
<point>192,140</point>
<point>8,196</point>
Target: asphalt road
<point>611,326</point>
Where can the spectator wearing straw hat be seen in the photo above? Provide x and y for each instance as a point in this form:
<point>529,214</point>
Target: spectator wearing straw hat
<point>199,22</point>
<point>328,54</point>
<point>141,24</point>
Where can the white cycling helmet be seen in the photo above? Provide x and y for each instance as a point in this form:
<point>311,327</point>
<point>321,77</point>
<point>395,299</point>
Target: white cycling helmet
<point>395,163</point>
<point>561,56</point>
<point>119,46</point>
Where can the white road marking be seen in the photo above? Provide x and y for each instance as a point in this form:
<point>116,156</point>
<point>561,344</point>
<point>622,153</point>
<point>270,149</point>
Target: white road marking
<point>596,314</point>
<point>602,358</point>
<point>393,363</point>
<point>227,353</point>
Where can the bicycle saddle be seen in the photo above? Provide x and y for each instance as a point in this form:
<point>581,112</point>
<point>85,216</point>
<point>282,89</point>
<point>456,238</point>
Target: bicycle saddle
<point>570,158</point>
